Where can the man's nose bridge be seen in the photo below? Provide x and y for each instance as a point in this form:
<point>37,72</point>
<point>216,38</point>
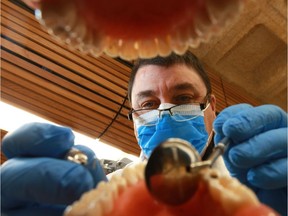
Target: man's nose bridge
<point>163,111</point>
<point>165,108</point>
<point>166,100</point>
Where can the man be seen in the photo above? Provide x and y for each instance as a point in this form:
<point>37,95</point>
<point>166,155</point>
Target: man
<point>169,82</point>
<point>170,97</point>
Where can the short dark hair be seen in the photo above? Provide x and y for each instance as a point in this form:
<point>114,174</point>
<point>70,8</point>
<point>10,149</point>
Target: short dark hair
<point>188,59</point>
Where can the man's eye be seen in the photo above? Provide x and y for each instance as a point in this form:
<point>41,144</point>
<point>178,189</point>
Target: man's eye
<point>149,105</point>
<point>185,99</point>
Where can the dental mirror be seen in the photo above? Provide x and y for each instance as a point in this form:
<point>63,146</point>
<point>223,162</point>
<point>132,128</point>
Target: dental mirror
<point>171,173</point>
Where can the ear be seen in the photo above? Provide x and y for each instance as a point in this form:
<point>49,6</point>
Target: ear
<point>213,102</point>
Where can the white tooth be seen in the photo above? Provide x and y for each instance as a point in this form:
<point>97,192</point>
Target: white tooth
<point>95,209</point>
<point>106,201</point>
<point>115,178</point>
<point>183,34</point>
<point>58,20</point>
<point>52,22</point>
<point>72,42</point>
<point>216,10</point>
<point>49,17</point>
<point>120,182</point>
<point>194,43</point>
<point>95,52</point>
<point>228,191</point>
<point>59,34</point>
<point>114,190</point>
<point>222,13</point>
<point>120,42</point>
<point>83,48</point>
<point>88,38</point>
<point>78,209</point>
<point>139,170</point>
<point>86,44</point>
<point>202,27</point>
<point>163,46</point>
<point>178,47</point>
<point>128,50</point>
<point>206,37</point>
<point>78,31</point>
<point>98,44</point>
<point>111,47</point>
<point>134,174</point>
<point>68,14</point>
<point>136,45</point>
<point>130,176</point>
<point>147,48</point>
<point>69,211</point>
<point>101,186</point>
<point>194,40</point>
<point>100,200</point>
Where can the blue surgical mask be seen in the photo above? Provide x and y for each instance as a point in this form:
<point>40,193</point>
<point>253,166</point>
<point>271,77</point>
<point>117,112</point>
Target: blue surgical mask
<point>189,128</point>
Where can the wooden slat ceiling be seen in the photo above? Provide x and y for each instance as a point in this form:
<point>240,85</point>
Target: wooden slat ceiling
<point>85,93</point>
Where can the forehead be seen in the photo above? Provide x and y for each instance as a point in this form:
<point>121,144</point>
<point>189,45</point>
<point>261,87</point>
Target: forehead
<point>158,79</point>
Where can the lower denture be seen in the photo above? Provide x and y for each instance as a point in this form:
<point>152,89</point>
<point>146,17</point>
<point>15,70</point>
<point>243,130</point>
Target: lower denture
<point>126,194</point>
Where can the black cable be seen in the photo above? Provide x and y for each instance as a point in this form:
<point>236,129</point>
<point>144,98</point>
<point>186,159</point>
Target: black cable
<point>122,105</point>
<point>224,93</point>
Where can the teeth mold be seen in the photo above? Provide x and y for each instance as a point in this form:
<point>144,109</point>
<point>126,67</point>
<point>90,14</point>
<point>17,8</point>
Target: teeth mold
<point>130,29</point>
<point>126,194</point>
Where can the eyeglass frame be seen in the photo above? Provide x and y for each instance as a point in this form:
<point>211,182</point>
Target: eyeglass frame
<point>202,107</point>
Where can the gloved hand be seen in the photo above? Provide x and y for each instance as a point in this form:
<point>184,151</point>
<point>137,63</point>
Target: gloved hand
<point>257,155</point>
<point>36,180</point>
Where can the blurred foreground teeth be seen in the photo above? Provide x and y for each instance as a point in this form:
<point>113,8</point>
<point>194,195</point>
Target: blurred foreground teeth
<point>128,30</point>
<point>226,196</point>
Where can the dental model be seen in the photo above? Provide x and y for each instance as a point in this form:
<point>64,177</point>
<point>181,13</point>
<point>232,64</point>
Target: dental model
<point>130,29</point>
<point>126,194</point>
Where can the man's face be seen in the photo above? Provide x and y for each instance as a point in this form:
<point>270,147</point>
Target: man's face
<point>177,84</point>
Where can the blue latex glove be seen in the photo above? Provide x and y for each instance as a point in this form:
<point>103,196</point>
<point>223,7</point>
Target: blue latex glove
<point>36,180</point>
<point>258,153</point>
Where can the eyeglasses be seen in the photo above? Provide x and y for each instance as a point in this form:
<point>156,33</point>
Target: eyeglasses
<point>182,112</point>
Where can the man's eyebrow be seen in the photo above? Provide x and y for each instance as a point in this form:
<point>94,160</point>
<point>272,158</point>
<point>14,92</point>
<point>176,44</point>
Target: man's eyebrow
<point>144,94</point>
<point>181,86</point>
<point>185,86</point>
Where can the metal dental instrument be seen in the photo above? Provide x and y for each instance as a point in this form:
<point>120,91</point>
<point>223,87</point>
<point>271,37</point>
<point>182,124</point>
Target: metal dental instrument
<point>77,156</point>
<point>171,171</point>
